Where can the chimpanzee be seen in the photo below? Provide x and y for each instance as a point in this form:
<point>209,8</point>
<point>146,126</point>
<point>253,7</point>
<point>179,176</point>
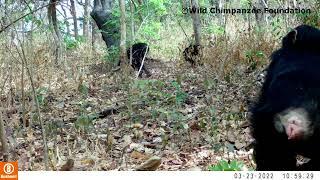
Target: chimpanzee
<point>192,54</point>
<point>286,118</point>
<point>139,51</point>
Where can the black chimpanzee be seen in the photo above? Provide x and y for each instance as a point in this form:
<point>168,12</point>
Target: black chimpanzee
<point>286,118</point>
<point>192,54</point>
<point>139,51</point>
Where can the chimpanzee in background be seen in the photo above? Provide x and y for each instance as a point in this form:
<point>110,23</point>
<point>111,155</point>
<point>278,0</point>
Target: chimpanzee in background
<point>192,54</point>
<point>286,118</point>
<point>139,51</point>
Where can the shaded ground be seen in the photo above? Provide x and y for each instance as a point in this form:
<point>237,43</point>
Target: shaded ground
<point>190,118</point>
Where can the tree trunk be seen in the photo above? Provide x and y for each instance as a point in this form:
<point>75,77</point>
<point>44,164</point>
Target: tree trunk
<point>86,19</point>
<point>123,55</point>
<point>74,17</point>
<point>261,17</point>
<point>102,14</point>
<point>94,29</point>
<point>66,20</point>
<point>220,5</point>
<point>4,21</point>
<point>52,15</point>
<point>3,140</point>
<point>132,29</point>
<point>196,23</point>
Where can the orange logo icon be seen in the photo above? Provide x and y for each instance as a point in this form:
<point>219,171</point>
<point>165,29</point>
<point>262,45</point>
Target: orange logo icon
<point>9,170</point>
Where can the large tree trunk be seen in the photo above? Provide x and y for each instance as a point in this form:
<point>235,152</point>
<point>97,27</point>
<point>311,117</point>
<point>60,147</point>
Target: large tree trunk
<point>74,17</point>
<point>101,14</point>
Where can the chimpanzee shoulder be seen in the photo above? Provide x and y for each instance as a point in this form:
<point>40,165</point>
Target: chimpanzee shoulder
<point>298,46</point>
<point>138,47</point>
<point>303,37</point>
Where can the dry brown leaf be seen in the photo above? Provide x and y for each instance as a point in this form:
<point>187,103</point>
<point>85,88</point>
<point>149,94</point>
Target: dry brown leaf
<point>151,164</point>
<point>137,125</point>
<point>139,155</point>
<point>68,166</point>
<point>88,162</point>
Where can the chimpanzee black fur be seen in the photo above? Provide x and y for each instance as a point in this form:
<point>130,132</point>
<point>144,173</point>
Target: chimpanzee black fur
<point>192,54</point>
<point>139,51</point>
<point>292,81</point>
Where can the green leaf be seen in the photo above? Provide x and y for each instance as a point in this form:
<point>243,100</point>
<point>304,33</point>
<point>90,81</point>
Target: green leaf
<point>223,165</point>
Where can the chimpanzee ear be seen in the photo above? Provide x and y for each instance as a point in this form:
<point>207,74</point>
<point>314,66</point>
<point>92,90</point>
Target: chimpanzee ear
<point>290,39</point>
<point>292,36</point>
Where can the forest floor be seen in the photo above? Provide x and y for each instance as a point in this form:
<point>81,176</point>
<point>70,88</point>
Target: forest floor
<point>181,117</point>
